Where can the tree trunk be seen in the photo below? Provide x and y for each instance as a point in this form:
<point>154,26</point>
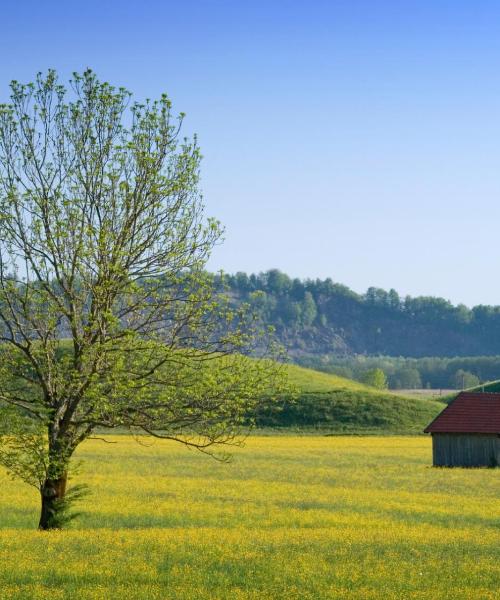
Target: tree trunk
<point>52,492</point>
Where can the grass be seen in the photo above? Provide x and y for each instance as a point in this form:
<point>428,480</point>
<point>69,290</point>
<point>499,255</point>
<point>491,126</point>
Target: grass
<point>290,517</point>
<point>309,380</point>
<point>489,387</point>
<point>332,403</point>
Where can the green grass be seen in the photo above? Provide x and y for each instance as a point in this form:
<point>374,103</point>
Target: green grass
<point>340,405</point>
<point>306,518</point>
<point>308,380</point>
<point>490,386</point>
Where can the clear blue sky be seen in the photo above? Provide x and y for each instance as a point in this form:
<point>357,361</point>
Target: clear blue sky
<point>358,140</point>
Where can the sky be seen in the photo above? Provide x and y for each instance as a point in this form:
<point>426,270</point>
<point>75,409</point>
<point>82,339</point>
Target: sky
<point>357,140</point>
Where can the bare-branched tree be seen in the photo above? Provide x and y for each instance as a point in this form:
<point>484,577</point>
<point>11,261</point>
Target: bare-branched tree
<point>107,316</point>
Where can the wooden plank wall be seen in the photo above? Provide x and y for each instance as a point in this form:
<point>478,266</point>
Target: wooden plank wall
<point>465,450</point>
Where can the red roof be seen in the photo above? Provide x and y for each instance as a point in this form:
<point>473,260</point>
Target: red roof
<point>470,412</point>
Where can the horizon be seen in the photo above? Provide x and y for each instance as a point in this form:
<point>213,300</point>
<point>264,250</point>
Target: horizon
<point>342,140</point>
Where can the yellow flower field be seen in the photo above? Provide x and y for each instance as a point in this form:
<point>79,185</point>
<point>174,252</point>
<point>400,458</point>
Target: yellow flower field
<point>289,517</point>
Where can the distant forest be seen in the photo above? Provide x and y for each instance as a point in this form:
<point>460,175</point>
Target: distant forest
<point>319,319</point>
<point>411,373</point>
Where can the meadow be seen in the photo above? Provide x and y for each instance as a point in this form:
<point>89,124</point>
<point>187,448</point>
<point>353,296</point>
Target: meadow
<point>307,517</point>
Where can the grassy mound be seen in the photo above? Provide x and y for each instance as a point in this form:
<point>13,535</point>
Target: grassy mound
<point>308,380</point>
<point>340,405</point>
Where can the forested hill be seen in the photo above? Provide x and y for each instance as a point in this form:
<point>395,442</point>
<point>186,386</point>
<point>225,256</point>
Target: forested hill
<point>320,316</point>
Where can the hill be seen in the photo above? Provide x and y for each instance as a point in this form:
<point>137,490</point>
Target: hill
<point>310,381</point>
<point>314,317</point>
<point>490,386</point>
<point>340,405</point>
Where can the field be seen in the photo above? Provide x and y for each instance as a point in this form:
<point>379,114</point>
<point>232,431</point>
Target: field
<point>438,395</point>
<point>290,517</point>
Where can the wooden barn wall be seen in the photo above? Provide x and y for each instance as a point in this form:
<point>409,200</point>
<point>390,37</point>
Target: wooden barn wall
<point>466,450</point>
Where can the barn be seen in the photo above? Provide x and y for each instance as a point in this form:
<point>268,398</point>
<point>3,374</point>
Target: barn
<point>467,432</point>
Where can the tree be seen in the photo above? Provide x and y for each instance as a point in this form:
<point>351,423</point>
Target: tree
<point>107,317</point>
<point>309,309</point>
<point>407,378</point>
<point>375,378</point>
<point>394,299</point>
<point>277,282</point>
<point>462,380</point>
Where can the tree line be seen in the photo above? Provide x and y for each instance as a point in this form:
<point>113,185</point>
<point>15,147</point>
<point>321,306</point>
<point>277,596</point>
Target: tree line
<point>321,317</point>
<point>409,373</point>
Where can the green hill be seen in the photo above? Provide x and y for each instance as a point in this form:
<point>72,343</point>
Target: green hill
<point>309,380</point>
<point>491,386</point>
<point>338,405</point>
